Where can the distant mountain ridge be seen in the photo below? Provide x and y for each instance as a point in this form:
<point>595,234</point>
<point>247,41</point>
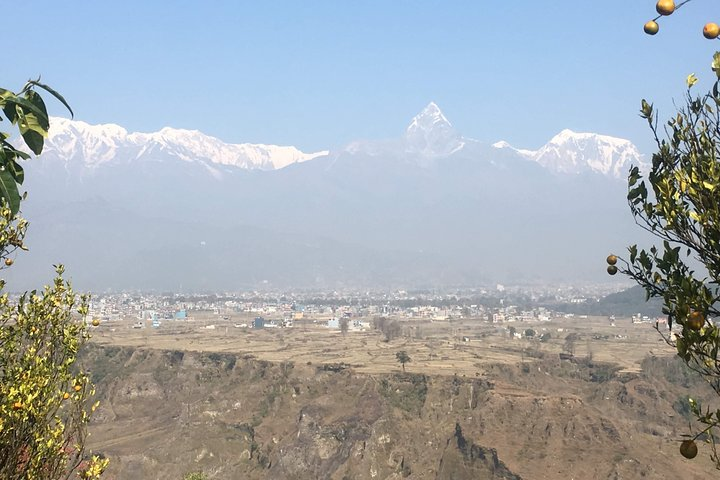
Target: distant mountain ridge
<point>429,134</point>
<point>177,209</point>
<point>94,145</point>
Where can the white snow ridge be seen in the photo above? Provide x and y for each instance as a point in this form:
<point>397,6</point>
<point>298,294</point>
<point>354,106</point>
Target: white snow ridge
<point>429,136</point>
<point>97,144</point>
<point>570,152</point>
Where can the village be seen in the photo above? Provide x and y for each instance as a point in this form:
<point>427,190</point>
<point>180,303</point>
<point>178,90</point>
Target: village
<point>497,305</point>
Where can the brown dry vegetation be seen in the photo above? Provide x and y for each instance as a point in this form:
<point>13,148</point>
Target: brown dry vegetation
<point>309,403</point>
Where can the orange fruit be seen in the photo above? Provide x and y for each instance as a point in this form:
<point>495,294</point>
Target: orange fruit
<point>665,7</point>
<point>77,388</point>
<point>651,27</point>
<point>66,395</point>
<point>8,262</point>
<point>17,406</point>
<point>612,269</point>
<point>688,449</point>
<point>611,259</point>
<point>695,320</point>
<point>711,31</point>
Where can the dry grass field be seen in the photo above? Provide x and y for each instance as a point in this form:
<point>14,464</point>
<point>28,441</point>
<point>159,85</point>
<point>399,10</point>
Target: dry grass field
<point>460,347</point>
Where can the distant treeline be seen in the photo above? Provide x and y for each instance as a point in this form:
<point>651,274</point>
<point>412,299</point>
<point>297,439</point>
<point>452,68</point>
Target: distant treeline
<point>626,303</point>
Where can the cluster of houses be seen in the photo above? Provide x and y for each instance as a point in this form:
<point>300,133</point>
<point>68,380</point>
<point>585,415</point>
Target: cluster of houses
<point>496,305</point>
<point>333,323</point>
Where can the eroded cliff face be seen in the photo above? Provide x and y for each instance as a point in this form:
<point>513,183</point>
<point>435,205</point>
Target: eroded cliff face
<point>165,413</point>
<point>464,459</point>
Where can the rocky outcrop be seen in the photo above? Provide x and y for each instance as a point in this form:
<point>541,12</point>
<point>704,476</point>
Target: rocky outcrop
<point>318,449</point>
<point>464,459</point>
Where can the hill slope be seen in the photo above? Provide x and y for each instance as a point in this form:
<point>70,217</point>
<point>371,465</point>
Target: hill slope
<point>164,413</point>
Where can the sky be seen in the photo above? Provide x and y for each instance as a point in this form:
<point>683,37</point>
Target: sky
<point>320,74</point>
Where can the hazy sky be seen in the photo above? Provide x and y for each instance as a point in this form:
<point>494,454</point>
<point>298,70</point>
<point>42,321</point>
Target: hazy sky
<point>318,74</point>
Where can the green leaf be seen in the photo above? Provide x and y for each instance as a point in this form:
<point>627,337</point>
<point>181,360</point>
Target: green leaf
<point>7,151</point>
<point>681,346</point>
<point>10,111</point>
<point>716,64</point>
<point>53,93</point>
<point>28,107</point>
<point>9,191</point>
<point>34,140</point>
<point>32,130</point>
<point>36,100</point>
<point>633,176</point>
<point>17,171</point>
<point>646,109</point>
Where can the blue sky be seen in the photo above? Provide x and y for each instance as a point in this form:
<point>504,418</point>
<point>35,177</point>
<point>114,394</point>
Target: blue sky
<point>318,74</point>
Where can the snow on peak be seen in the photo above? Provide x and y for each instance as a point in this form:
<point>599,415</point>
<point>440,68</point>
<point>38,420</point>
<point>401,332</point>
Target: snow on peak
<point>96,144</point>
<point>430,118</point>
<point>505,145</point>
<point>566,134</point>
<point>76,139</point>
<point>571,152</point>
<point>430,133</point>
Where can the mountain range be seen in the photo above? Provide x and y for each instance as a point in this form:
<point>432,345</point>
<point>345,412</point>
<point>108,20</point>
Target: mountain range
<point>178,209</point>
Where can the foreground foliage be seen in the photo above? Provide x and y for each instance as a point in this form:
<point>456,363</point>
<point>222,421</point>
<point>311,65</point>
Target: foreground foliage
<point>680,205</point>
<point>45,399</point>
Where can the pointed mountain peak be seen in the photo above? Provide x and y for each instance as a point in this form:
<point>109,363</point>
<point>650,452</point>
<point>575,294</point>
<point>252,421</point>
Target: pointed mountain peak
<point>432,109</point>
<point>431,134</point>
<point>429,118</point>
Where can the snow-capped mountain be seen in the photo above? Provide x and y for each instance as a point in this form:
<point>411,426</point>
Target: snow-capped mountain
<point>94,145</point>
<point>430,207</point>
<point>570,152</point>
<point>430,137</point>
<point>431,134</point>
